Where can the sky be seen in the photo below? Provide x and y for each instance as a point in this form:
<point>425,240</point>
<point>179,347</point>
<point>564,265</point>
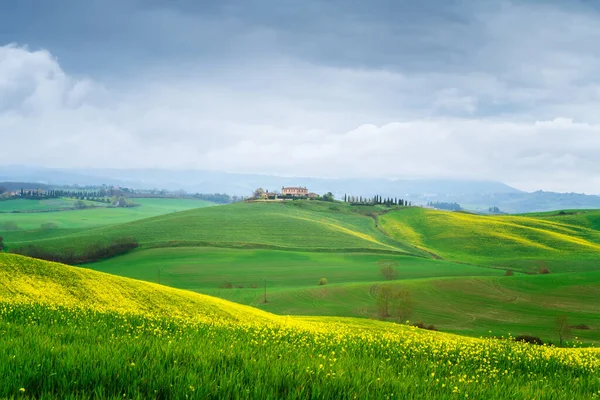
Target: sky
<point>492,90</point>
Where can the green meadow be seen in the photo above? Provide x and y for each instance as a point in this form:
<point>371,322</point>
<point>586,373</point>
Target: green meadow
<point>291,226</point>
<point>565,243</point>
<point>74,333</point>
<point>184,315</point>
<point>30,225</point>
<point>453,264</point>
<point>26,205</point>
<point>455,297</point>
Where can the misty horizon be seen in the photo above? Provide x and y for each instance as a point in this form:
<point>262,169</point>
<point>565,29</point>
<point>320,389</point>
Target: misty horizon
<point>398,90</point>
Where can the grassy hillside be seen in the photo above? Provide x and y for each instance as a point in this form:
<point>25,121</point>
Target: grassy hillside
<point>475,306</point>
<point>68,222</point>
<point>26,205</point>
<point>299,225</point>
<point>564,242</point>
<point>69,332</point>
<point>476,301</point>
<point>204,268</point>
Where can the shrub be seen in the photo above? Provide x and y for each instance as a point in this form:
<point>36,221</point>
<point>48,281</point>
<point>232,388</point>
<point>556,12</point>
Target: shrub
<point>49,226</point>
<point>509,273</point>
<point>581,327</point>
<point>421,325</point>
<point>94,252</point>
<point>543,267</point>
<point>10,226</point>
<point>322,281</point>
<point>226,285</point>
<point>389,269</point>
<point>529,339</point>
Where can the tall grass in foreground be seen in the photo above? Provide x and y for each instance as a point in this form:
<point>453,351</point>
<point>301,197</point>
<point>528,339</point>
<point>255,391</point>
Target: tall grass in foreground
<point>67,352</point>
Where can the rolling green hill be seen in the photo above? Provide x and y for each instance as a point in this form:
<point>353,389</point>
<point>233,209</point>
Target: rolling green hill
<point>455,297</point>
<point>75,333</point>
<point>30,225</point>
<point>207,268</point>
<point>476,306</point>
<point>302,225</point>
<point>568,242</point>
<point>26,205</point>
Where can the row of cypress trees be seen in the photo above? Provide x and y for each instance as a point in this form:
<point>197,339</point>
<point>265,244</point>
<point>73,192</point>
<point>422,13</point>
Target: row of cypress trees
<point>377,199</point>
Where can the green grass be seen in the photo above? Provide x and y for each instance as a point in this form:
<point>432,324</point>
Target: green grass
<point>293,226</point>
<point>201,269</point>
<point>473,306</point>
<point>26,205</point>
<point>74,221</point>
<point>566,243</point>
<point>473,302</point>
<point>74,333</point>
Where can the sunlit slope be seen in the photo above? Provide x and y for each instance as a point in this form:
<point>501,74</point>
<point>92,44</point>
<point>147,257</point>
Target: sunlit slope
<point>33,226</point>
<point>477,306</point>
<point>519,241</point>
<point>66,330</point>
<point>205,269</point>
<point>27,280</point>
<point>266,225</point>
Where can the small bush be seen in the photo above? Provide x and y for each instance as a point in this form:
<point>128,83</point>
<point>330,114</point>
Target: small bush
<point>389,269</point>
<point>581,327</point>
<point>421,325</point>
<point>48,226</point>
<point>322,281</point>
<point>239,286</point>
<point>529,339</point>
<point>253,285</point>
<point>509,273</point>
<point>93,252</point>
<point>226,285</point>
<point>10,226</point>
<point>544,271</point>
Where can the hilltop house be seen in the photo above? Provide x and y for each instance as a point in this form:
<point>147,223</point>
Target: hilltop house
<point>294,191</point>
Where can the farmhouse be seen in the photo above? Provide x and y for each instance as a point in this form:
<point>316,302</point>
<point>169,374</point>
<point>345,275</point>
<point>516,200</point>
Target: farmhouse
<point>294,191</point>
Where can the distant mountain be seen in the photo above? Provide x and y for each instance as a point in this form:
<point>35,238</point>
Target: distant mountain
<point>244,184</point>
<point>472,195</point>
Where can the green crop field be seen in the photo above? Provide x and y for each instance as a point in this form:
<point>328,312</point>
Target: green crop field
<point>23,205</point>
<point>205,268</point>
<point>477,301</point>
<point>292,226</point>
<point>74,333</point>
<point>563,242</point>
<point>30,225</point>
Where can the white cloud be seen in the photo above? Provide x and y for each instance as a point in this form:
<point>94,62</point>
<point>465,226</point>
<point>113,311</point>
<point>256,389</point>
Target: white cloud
<point>524,114</point>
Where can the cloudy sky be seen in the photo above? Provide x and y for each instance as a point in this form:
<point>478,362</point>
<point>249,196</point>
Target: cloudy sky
<point>499,90</point>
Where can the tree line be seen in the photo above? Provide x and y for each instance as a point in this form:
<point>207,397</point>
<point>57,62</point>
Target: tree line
<point>92,253</point>
<point>219,198</point>
<point>442,205</point>
<point>37,194</point>
<point>377,199</point>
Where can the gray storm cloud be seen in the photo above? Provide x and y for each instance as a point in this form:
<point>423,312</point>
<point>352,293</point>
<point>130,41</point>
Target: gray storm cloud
<point>521,109</point>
